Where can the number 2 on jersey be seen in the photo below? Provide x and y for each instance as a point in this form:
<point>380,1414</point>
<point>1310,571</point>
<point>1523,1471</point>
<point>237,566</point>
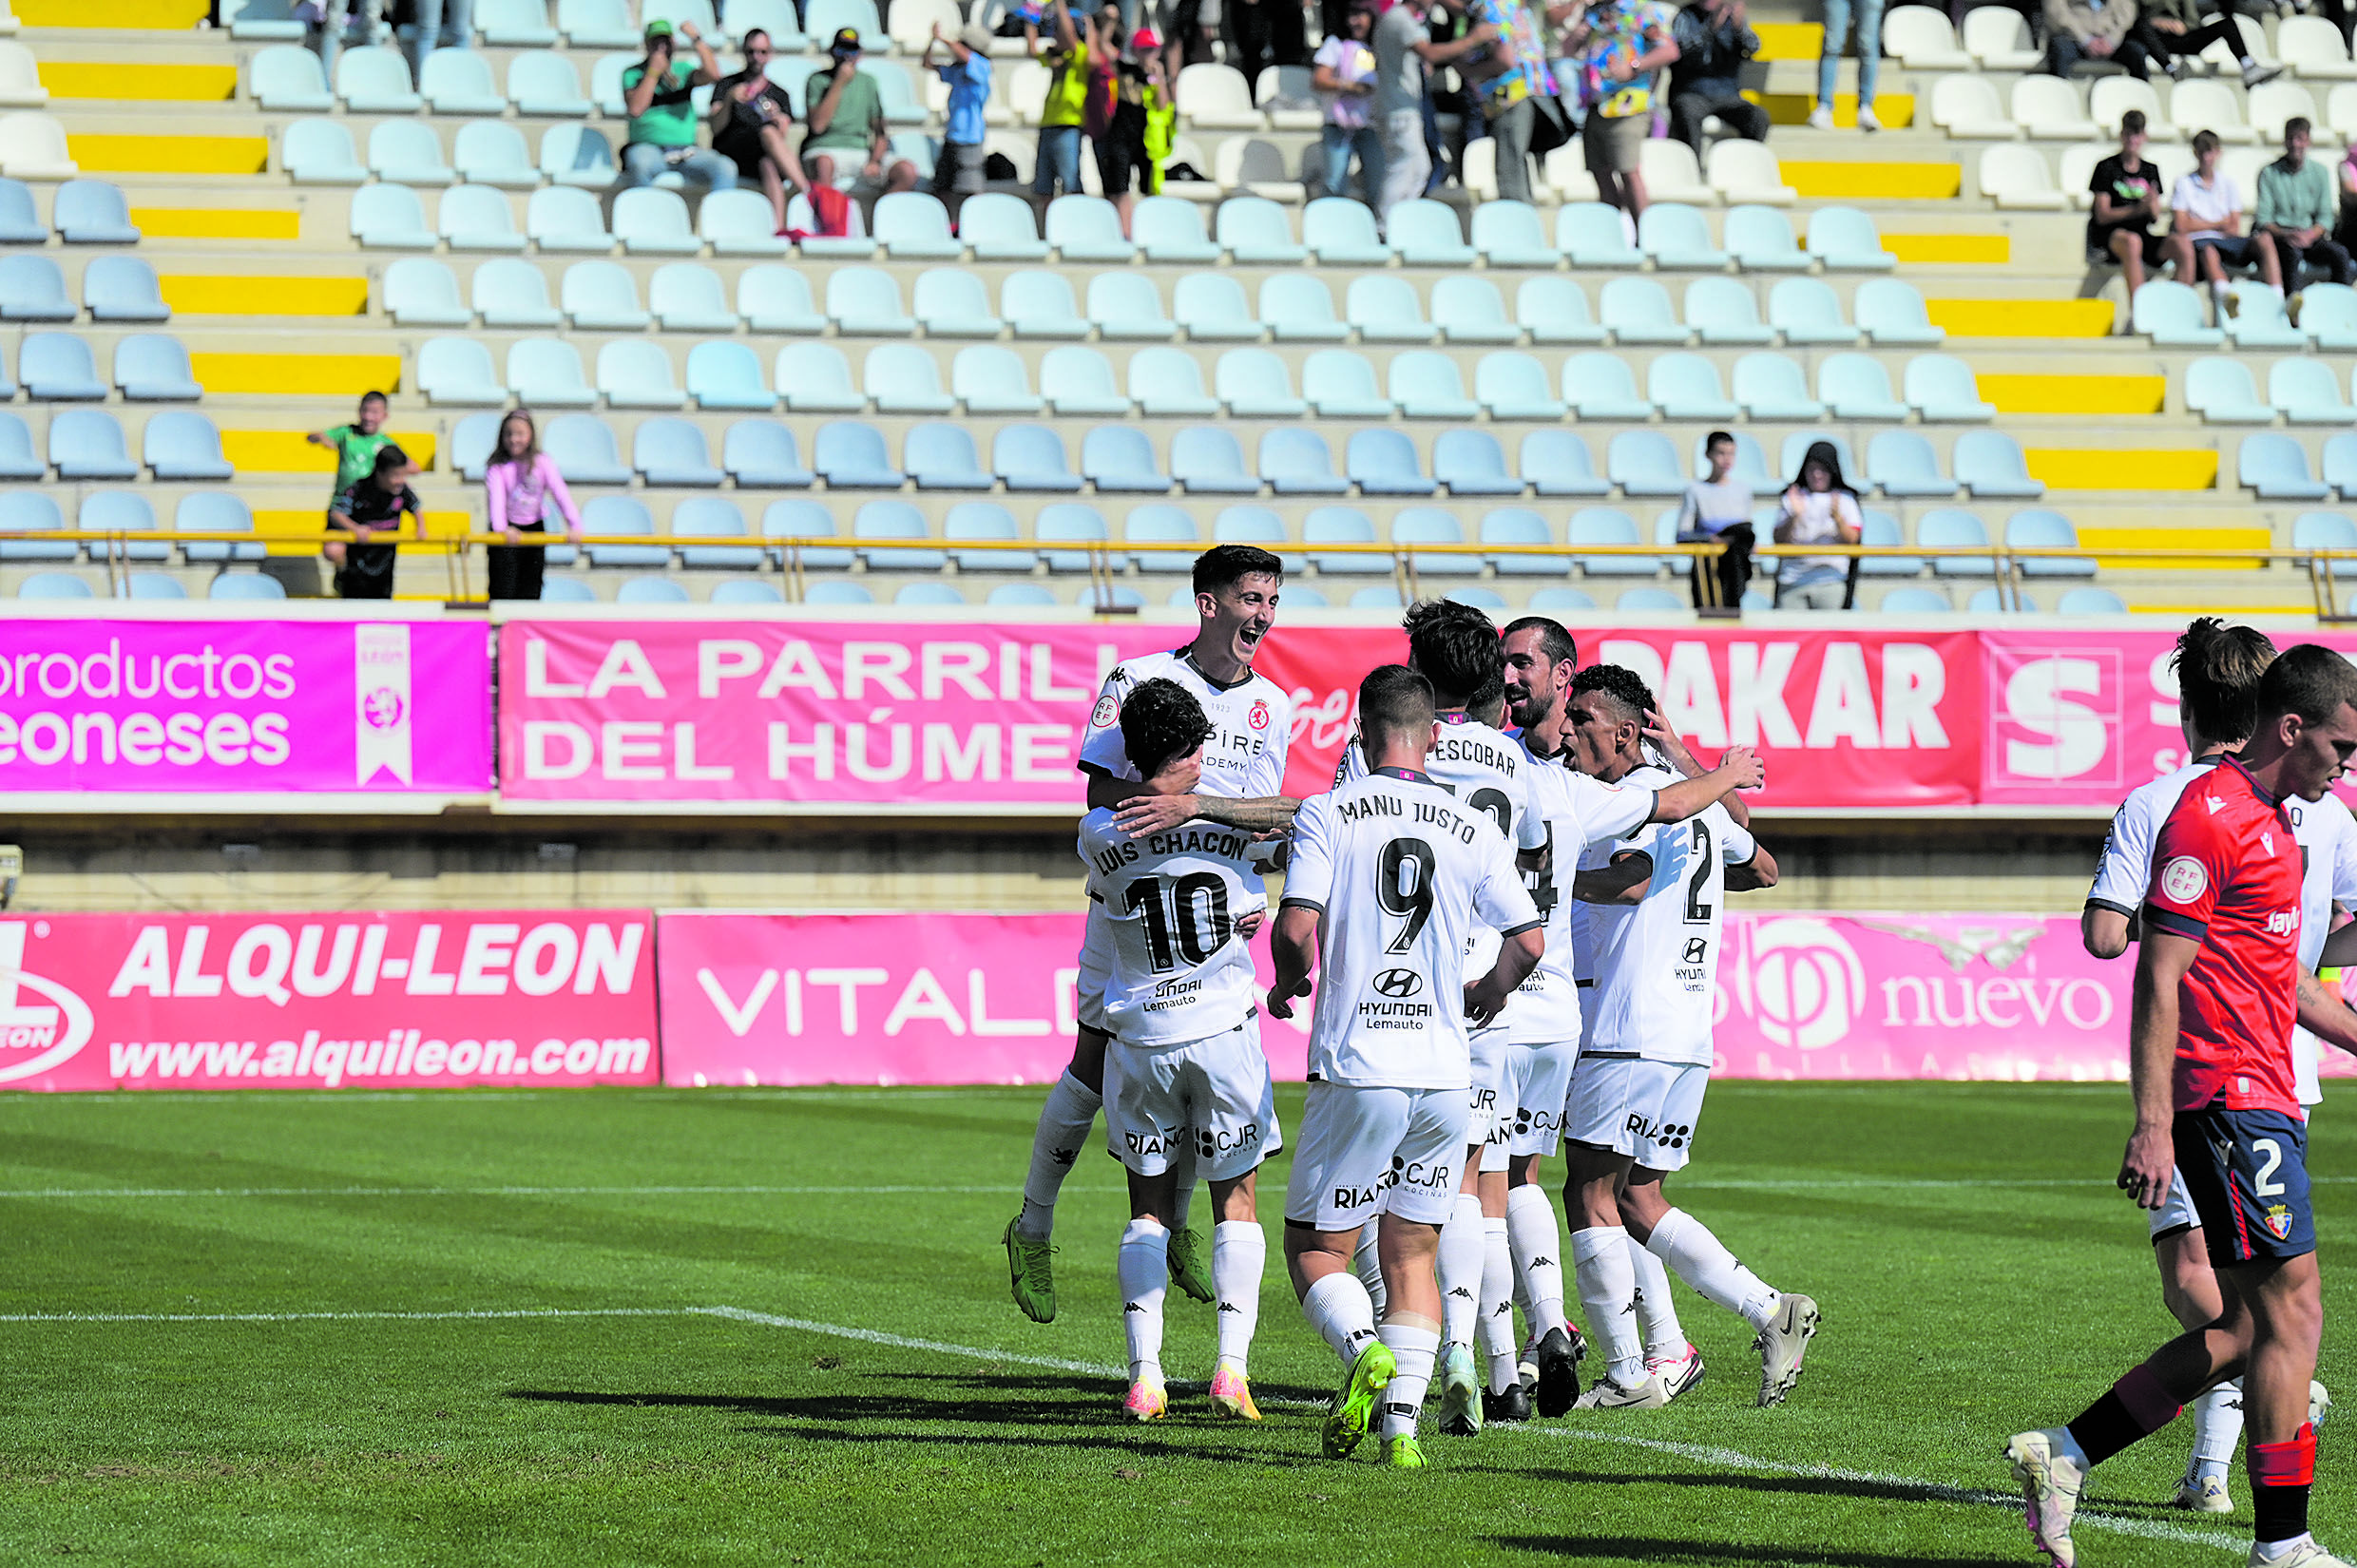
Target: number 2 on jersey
<point>1190,913</point>
<point>1403,887</point>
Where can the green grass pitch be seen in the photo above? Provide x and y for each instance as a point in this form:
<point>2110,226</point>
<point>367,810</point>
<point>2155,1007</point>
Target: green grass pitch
<point>871,1395</point>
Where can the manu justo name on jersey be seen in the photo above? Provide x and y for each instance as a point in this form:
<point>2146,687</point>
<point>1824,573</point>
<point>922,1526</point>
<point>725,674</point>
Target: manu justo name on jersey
<point>1223,843</point>
<point>1431,813</point>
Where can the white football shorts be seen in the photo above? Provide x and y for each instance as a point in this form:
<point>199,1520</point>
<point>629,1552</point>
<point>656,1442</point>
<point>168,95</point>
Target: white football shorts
<point>1369,1152</point>
<point>2178,1214</point>
<point>1096,964</point>
<point>1537,1084</point>
<point>1645,1109</point>
<point>1214,1094</point>
<point>1491,1102</point>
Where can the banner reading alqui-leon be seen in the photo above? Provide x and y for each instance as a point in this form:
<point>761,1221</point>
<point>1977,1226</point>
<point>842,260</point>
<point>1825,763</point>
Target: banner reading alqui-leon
<point>245,706</point>
<point>974,999</point>
<point>424,999</point>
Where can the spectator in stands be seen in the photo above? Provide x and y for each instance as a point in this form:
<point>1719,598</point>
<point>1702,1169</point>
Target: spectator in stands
<point>2174,33</point>
<point>1717,508</point>
<point>657,93</point>
<point>1190,34</point>
<point>1510,80</point>
<point>2126,188</point>
<point>521,485</point>
<point>1344,74</point>
<point>355,445</point>
<point>1621,43</point>
<point>1715,38</point>
<point>2296,211</point>
<point>1870,15</point>
<point>1403,48</point>
<point>2094,30</point>
<point>371,506</point>
<point>751,115</point>
<point>1161,107</point>
<point>449,23</point>
<point>2205,228</point>
<point>1022,20</point>
<point>1262,33</point>
<point>847,117</point>
<point>1067,108</point>
<point>1115,117</point>
<point>2346,232</point>
<point>1819,508</point>
<point>957,170</point>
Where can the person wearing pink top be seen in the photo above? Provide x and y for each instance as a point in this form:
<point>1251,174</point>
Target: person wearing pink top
<point>524,484</point>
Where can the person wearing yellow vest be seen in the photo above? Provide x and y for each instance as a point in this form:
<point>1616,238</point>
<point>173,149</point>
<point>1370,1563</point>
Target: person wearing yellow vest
<point>1066,107</point>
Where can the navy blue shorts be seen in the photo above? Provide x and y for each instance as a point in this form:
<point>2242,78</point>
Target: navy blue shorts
<point>2247,1172</point>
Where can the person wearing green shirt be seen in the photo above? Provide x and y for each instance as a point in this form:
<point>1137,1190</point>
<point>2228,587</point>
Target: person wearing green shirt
<point>657,93</point>
<point>1066,107</point>
<point>357,444</point>
<point>2296,210</point>
<point>847,118</point>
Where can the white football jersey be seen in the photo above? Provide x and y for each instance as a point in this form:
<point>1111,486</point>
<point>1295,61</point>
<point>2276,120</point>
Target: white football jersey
<point>1171,901</point>
<point>2125,868</point>
<point>1402,870</point>
<point>1251,726</point>
<point>1656,961</point>
<point>1579,811</point>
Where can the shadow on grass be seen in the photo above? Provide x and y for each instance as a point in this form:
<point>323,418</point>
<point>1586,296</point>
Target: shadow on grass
<point>1629,1548</point>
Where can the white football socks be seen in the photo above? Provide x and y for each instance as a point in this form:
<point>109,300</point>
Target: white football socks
<point>1538,1245</point>
<point>1063,1131</point>
<point>1657,1314</point>
<point>2217,1426</point>
<point>1413,1345</point>
<point>1239,1251</point>
<point>1143,1269</point>
<point>1338,1312</point>
<point>1368,1264</point>
<point>1459,1268</point>
<point>1494,1333</point>
<point>1607,1293</point>
<point>1702,1261</point>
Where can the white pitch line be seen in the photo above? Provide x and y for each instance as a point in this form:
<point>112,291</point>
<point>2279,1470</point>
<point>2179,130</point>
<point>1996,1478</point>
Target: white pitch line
<point>349,1317</point>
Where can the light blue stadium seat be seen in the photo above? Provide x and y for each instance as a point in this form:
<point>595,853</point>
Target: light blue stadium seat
<point>1426,525</point>
<point>1255,232</point>
<point>951,302</point>
<point>56,368</point>
<point>1649,601</point>
<point>1559,600</point>
<point>1915,601</point>
<point>1032,457</point>
<point>1382,308</point>
<point>17,458</point>
<point>179,446</point>
<point>1845,240</point>
<point>1380,597</point>
<point>1555,310</point>
<point>563,219</point>
<point>903,378</point>
<point>2220,389</point>
<point>1255,525</point>
<point>2172,316</point>
<point>1592,235</point>
<point>1857,387</point>
<point>1893,316</point>
<point>1341,385</point>
<point>1254,385</point>
<point>1487,600</point>
<point>1297,307</point>
<point>2327,313</point>
<point>1511,233</point>
<point>1557,463</point>
<point>2037,528</point>
<point>1167,383</point>
<point>600,297</point>
<point>1127,307</point>
<point>263,20</point>
<point>53,586</point>
<point>1206,460</point>
<point>929,596</point>
<point>1601,385</point>
<point>1902,463</point>
<point>1991,465</point>
<point>1677,237</point>
<point>1686,386</point>
<point>1518,525</point>
<point>1424,233</point>
<point>2307,392</point>
<point>390,218</point>
<point>32,289</point>
<point>838,592</point>
<point>2340,465</point>
<point>988,522</point>
<point>1639,311</point>
<point>1760,239</point>
<point>584,448</point>
<point>20,224</point>
<point>651,590</point>
<point>2090,602</point>
<point>815,378</point>
<point>407,152</point>
<point>726,374</point>
<point>1469,461</point>
<point>457,371</point>
<point>671,453</point>
<point>1086,229</point>
<point>87,443</point>
<point>850,455</point>
<point>893,519</point>
<point>153,586</point>
<point>93,212</point>
<point>245,586</point>
<point>651,221</point>
<point>1342,526</point>
<point>1722,310</point>
<point>576,156</point>
<point>2277,467</point>
<point>605,81</point>
<point>635,374</point>
<point>1022,596</point>
<point>477,218</point>
<point>469,447</point>
<point>709,517</point>
<point>376,80</point>
<point>286,79</point>
<point>1169,230</point>
<point>1072,523</point>
<point>544,85</point>
<point>1383,462</point>
<point>1163,524</point>
<point>572,590</point>
<point>741,222</point>
<point>1806,311</point>
<point>28,512</point>
<point>1515,386</point>
<point>762,454</point>
<point>1645,463</point>
<point>2327,531</point>
<point>1038,303</point>
<point>992,380</point>
<point>2259,320</point>
<point>1077,381</point>
<point>1948,527</point>
<point>1297,462</point>
<point>1341,232</point>
<point>1880,528</point>
<point>999,227</point>
<point>915,226</point>
<point>806,520</point>
<point>1470,310</point>
<point>1211,306</point>
<point>514,24</point>
<point>1772,386</point>
<point>318,151</point>
<point>625,516</point>
<point>823,19</point>
<point>423,292</point>
<point>1121,458</point>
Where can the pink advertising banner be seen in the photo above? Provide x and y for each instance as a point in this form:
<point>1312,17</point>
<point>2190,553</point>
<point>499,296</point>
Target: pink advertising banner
<point>421,1000</point>
<point>967,998</point>
<point>245,706</point>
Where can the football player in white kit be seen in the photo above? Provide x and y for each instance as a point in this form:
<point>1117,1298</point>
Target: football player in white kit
<point>1649,924</point>
<point>1243,784</point>
<point>2217,670</point>
<point>1185,1068</point>
<point>1389,875</point>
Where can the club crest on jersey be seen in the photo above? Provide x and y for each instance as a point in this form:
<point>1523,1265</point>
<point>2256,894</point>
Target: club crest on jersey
<point>2278,1222</point>
<point>1258,718</point>
<point>2183,880</point>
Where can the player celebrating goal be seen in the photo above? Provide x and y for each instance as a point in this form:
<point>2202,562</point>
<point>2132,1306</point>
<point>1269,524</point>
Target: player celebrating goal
<point>1185,1068</point>
<point>2218,989</point>
<point>1243,775</point>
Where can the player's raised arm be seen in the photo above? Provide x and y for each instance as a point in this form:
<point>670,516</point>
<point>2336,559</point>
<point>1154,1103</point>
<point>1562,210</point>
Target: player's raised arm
<point>1740,768</point>
<point>1682,759</point>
